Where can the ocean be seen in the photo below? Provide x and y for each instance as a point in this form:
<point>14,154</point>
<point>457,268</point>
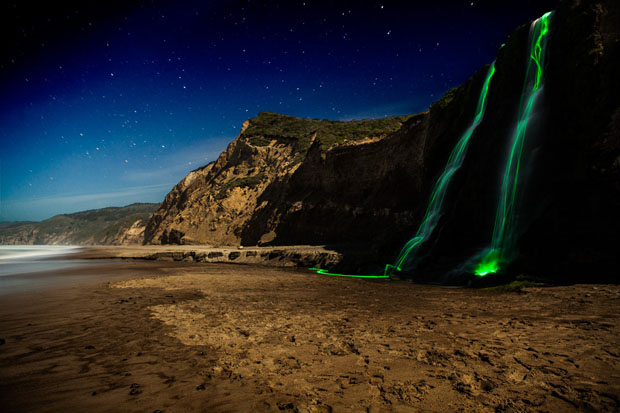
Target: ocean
<point>23,259</point>
<point>23,267</point>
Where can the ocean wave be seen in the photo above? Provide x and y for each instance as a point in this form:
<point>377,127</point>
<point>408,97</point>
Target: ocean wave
<point>13,252</point>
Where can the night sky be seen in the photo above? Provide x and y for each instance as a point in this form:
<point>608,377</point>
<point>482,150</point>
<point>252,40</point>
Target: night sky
<point>114,103</point>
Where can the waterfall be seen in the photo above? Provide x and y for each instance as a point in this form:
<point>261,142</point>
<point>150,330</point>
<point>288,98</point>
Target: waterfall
<point>502,248</point>
<point>435,203</point>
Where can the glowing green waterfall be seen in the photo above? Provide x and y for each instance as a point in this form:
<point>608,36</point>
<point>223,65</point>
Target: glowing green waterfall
<point>433,210</point>
<point>502,246</point>
<point>435,203</point>
<point>501,249</point>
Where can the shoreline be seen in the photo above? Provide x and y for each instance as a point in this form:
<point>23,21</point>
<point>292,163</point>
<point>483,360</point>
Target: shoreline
<point>182,336</point>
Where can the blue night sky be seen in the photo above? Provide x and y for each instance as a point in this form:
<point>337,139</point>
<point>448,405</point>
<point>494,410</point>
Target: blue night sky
<point>113,103</point>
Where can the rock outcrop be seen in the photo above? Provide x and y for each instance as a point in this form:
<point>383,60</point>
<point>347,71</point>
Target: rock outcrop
<point>363,187</point>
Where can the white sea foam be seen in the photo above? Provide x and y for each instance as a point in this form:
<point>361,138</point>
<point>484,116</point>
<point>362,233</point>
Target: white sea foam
<point>27,259</point>
<point>19,252</point>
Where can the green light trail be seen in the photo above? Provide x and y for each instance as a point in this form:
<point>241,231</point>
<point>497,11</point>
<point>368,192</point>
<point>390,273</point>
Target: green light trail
<point>435,203</point>
<point>504,227</point>
<point>325,272</point>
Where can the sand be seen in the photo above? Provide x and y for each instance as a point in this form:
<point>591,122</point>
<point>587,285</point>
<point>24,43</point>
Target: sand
<point>181,336</point>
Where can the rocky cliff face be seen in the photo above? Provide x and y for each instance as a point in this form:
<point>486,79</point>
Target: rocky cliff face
<point>219,204</point>
<point>292,181</point>
<point>107,226</point>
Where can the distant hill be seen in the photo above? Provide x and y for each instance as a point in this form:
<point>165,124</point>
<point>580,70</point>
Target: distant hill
<point>7,225</point>
<point>106,226</point>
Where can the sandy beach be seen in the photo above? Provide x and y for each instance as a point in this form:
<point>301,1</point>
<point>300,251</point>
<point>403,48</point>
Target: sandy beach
<point>150,336</point>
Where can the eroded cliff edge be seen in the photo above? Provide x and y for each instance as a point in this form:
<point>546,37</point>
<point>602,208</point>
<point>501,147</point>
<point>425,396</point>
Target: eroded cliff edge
<point>363,186</point>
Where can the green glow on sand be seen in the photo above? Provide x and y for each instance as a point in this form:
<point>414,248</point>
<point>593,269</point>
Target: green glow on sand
<point>505,216</point>
<point>325,272</point>
<point>435,203</point>
<point>489,263</point>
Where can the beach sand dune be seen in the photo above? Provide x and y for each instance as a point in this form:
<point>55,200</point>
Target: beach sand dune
<point>215,337</point>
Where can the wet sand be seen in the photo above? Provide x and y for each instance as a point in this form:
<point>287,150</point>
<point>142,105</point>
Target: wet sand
<point>174,337</point>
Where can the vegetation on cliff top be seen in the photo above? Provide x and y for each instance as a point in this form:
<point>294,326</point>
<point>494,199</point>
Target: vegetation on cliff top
<point>268,125</point>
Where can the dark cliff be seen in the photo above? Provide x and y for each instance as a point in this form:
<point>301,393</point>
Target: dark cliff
<point>292,181</point>
<point>568,214</point>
